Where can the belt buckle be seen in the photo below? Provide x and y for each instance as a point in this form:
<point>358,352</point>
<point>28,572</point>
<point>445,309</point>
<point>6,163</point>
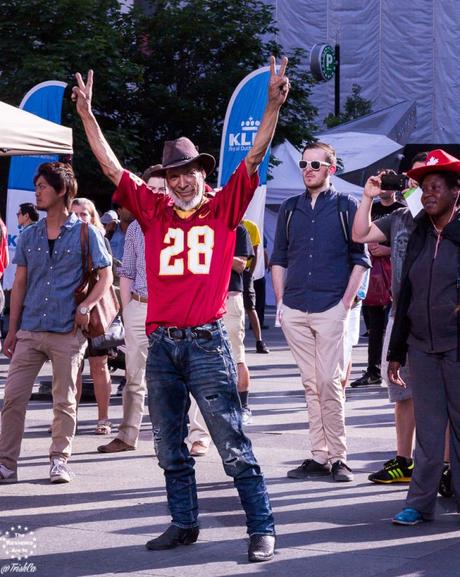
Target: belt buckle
<point>202,334</point>
<point>170,330</point>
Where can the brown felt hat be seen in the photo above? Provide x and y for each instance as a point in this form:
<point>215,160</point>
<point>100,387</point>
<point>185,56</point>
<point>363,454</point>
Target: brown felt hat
<point>181,152</point>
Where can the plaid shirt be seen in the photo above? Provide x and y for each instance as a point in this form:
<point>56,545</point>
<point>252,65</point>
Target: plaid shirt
<point>133,266</point>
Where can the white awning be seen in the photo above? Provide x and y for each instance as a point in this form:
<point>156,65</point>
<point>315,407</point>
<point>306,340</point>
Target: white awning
<point>24,134</point>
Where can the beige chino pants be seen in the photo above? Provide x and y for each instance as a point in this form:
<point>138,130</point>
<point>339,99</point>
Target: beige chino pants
<point>317,342</point>
<point>33,349</point>
<point>136,350</point>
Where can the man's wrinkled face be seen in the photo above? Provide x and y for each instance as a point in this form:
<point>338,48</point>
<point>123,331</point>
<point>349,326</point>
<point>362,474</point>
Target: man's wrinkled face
<point>437,198</point>
<point>316,179</point>
<point>186,185</point>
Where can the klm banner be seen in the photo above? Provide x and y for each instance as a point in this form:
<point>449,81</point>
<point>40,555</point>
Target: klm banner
<point>242,121</point>
<point>44,100</point>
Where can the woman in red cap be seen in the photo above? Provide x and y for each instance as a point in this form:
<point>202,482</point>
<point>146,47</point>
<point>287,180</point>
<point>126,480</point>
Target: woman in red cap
<point>427,331</point>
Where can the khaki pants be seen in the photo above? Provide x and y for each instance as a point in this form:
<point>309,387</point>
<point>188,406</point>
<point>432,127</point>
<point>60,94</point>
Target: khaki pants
<point>33,349</point>
<point>234,323</point>
<point>134,391</point>
<point>317,343</point>
<point>137,343</point>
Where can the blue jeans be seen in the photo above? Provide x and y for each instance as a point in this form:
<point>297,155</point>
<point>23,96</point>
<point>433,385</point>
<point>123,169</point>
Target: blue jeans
<point>203,367</point>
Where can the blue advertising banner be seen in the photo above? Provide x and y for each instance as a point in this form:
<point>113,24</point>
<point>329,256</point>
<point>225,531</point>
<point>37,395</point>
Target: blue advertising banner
<point>44,100</point>
<point>242,120</point>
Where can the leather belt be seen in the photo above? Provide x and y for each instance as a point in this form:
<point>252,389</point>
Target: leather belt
<point>139,298</point>
<point>180,334</point>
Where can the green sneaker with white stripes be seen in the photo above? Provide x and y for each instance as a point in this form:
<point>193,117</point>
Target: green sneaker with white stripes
<point>397,470</point>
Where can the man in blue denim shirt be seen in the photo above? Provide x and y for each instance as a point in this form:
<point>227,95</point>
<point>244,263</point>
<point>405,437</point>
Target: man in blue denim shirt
<point>316,273</point>
<point>49,269</point>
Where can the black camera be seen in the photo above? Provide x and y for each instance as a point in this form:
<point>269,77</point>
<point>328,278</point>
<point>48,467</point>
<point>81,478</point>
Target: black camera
<point>394,182</point>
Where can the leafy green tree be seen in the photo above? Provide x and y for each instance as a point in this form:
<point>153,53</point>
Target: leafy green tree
<point>355,106</point>
<point>194,54</point>
<point>42,40</point>
<point>160,72</point>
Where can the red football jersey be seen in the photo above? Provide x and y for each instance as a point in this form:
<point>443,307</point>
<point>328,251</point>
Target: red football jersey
<point>188,261</point>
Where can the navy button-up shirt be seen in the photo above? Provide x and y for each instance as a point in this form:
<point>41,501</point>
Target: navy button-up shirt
<point>317,257</point>
<point>49,304</point>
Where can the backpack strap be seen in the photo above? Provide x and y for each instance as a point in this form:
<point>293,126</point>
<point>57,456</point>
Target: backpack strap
<point>342,209</point>
<point>289,207</point>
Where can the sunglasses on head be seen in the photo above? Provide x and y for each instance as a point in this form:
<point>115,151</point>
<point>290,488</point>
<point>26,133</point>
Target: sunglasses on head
<point>313,164</point>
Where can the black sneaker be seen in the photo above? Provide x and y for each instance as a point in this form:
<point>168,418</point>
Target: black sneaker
<point>397,470</point>
<point>366,379</point>
<point>262,348</point>
<point>341,472</point>
<point>308,469</point>
<point>445,485</point>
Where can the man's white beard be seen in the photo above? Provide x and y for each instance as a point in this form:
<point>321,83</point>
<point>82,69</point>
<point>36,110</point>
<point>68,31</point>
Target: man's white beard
<point>186,205</point>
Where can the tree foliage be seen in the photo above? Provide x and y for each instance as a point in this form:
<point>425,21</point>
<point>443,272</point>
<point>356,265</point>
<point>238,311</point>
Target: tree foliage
<point>159,73</point>
<point>355,106</point>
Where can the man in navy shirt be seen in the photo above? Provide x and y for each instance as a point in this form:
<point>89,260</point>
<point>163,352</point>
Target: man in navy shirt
<point>316,272</point>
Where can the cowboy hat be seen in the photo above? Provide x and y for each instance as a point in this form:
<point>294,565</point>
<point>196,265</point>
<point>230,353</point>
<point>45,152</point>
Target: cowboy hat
<point>436,161</point>
<point>181,152</point>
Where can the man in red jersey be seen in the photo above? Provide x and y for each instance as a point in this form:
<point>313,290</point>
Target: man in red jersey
<point>189,245</point>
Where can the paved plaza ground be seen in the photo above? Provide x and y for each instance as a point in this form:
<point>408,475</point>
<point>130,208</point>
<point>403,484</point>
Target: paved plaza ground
<point>97,525</point>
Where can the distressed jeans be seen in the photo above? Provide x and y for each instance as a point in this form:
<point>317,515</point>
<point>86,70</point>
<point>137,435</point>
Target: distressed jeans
<point>204,368</point>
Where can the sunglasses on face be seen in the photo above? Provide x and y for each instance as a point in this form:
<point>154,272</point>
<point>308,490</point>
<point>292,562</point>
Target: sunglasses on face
<point>313,164</point>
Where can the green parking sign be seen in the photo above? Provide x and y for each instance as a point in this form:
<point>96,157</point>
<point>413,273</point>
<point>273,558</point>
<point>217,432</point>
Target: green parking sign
<point>322,61</point>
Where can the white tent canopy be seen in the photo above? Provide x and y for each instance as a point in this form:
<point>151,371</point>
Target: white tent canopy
<point>23,133</point>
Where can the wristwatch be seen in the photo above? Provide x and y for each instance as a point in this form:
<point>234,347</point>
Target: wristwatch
<point>83,310</point>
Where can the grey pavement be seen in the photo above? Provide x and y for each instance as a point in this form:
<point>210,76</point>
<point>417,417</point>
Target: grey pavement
<point>97,524</point>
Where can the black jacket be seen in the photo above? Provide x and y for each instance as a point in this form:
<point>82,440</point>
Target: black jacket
<point>397,349</point>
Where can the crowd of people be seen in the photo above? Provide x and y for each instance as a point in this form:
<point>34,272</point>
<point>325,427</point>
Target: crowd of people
<point>171,239</point>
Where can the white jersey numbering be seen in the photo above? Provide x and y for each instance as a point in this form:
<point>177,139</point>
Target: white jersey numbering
<point>200,243</point>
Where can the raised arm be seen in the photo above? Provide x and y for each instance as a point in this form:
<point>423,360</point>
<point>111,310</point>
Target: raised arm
<point>364,230</point>
<point>82,95</point>
<point>278,89</point>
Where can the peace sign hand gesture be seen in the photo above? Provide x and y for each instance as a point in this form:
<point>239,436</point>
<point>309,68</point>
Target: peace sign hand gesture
<point>82,94</point>
<point>278,87</point>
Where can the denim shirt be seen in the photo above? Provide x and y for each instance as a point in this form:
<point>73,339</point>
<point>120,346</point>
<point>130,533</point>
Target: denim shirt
<point>117,242</point>
<point>317,257</point>
<point>49,303</point>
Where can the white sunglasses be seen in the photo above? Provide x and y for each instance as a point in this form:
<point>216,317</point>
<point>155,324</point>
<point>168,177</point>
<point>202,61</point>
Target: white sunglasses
<point>313,164</point>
